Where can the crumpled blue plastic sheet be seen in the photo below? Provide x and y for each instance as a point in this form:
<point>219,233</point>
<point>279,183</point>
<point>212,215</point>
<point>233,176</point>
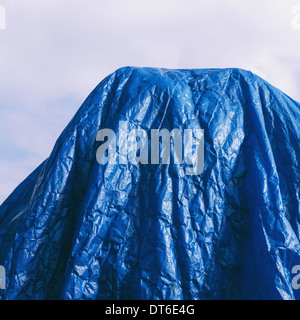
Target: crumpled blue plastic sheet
<point>77,229</point>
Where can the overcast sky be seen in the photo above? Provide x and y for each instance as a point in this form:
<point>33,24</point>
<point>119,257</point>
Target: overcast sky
<point>54,52</point>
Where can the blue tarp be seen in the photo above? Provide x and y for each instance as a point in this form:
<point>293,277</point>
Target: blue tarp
<point>78,229</point>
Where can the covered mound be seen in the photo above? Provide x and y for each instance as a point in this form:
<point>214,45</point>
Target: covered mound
<point>79,228</point>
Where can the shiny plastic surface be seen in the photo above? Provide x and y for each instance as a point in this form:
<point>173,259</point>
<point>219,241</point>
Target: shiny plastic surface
<point>76,229</point>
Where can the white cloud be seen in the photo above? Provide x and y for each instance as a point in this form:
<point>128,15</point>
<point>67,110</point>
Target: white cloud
<point>54,52</point>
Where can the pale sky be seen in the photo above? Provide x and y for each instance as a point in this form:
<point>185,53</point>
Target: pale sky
<point>54,52</point>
